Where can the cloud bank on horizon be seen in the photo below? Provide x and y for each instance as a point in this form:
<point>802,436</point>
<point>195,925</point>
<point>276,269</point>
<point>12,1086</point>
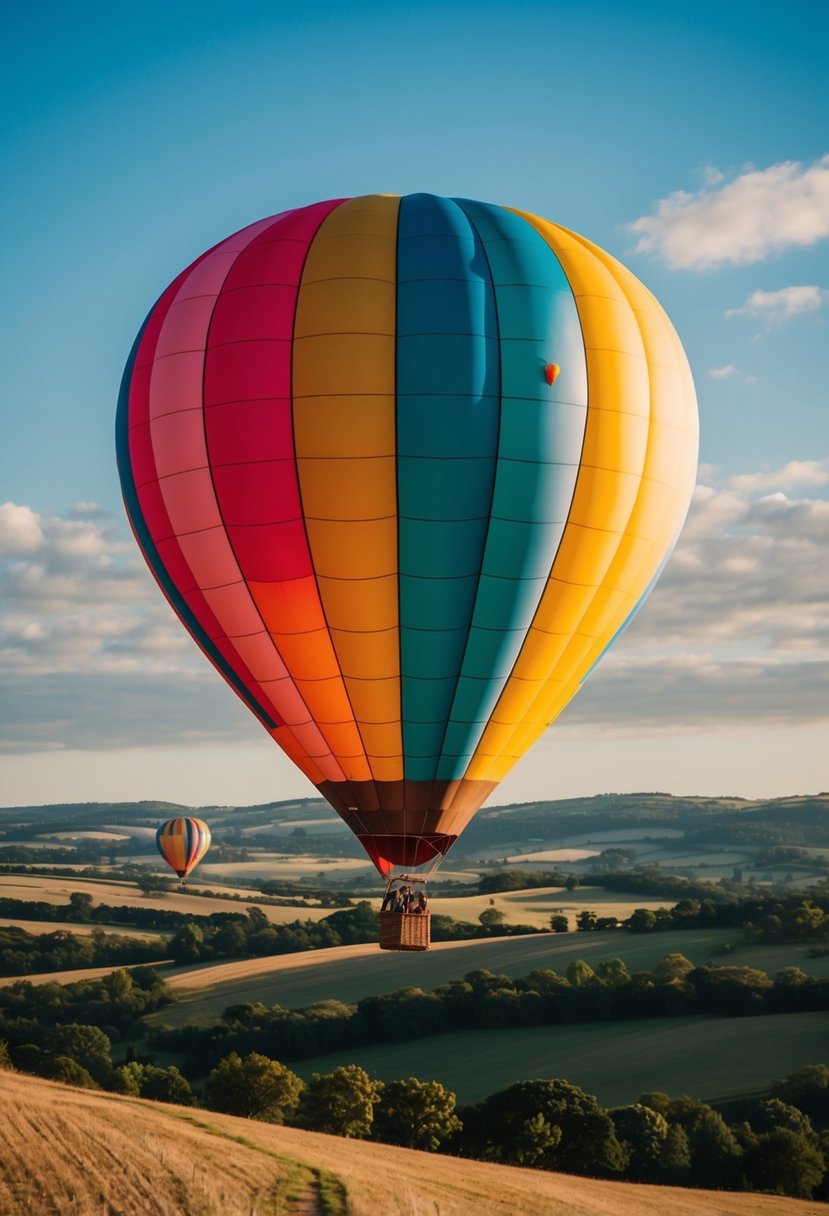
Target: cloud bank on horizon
<point>736,631</point>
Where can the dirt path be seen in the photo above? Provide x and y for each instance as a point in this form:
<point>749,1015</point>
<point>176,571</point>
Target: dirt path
<point>308,1203</point>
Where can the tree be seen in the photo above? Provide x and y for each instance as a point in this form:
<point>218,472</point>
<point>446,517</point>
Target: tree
<point>586,1143</point>
<point>613,971</point>
<point>586,920</point>
<point>153,884</point>
<point>642,1133</point>
<point>672,967</point>
<point>491,917</point>
<point>571,882</point>
<point>786,1162</point>
<point>187,945</point>
<point>80,907</point>
<point>534,1140</point>
<point>357,924</point>
<point>165,1085</point>
<point>807,1089</point>
<point>255,1087</point>
<point>5,1058</point>
<point>642,920</point>
<point>715,1153</point>
<point>415,1114</point>
<point>70,1072</point>
<point>580,973</point>
<point>86,1045</point>
<point>126,1079</point>
<point>339,1102</point>
<point>674,1161</point>
<point>772,1114</point>
<point>559,923</point>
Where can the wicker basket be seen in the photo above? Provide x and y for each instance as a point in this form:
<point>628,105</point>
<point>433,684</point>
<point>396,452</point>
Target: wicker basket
<point>404,931</point>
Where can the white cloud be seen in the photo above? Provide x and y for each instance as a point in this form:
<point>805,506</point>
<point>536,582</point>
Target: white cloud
<point>76,598</point>
<point>721,373</point>
<point>759,213</point>
<point>738,628</point>
<point>20,530</point>
<point>774,307</point>
<point>795,473</point>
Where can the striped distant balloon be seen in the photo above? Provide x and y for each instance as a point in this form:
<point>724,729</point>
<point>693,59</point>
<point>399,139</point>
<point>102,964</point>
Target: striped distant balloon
<point>183,843</point>
<point>405,468</point>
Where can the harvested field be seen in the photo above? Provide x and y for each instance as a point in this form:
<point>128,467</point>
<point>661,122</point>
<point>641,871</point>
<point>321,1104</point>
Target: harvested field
<point>71,1152</point>
<point>126,894</point>
<point>535,906</point>
<point>351,972</point>
<point>81,930</point>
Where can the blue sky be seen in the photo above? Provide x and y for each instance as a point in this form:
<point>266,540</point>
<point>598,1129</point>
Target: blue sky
<point>688,139</point>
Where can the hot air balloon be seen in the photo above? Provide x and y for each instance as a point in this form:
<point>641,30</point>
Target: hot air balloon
<point>402,540</point>
<point>183,842</point>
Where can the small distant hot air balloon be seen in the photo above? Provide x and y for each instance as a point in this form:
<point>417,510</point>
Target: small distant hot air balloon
<point>402,548</point>
<point>183,843</point>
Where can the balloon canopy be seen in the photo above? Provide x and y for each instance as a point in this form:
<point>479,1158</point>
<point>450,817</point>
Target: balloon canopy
<point>405,468</point>
<point>183,842</point>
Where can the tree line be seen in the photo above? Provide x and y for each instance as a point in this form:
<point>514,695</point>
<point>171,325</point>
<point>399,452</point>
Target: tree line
<point>24,953</point>
<point>247,934</point>
<point>483,1000</point>
<point>779,1146</point>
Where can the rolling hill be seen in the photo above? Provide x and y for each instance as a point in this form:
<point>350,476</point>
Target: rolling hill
<point>72,1152</point>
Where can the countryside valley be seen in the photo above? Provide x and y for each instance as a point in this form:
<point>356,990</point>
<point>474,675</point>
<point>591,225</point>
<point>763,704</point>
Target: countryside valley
<point>631,989</point>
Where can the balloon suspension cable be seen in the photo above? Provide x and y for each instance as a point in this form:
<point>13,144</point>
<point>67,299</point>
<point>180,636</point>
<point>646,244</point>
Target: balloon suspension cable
<point>407,879</point>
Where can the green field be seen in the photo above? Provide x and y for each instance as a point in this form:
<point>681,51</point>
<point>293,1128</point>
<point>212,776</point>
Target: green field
<point>351,972</point>
<point>708,1058</point>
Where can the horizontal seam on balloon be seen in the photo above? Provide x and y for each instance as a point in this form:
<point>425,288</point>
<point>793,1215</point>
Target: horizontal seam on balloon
<point>351,278</point>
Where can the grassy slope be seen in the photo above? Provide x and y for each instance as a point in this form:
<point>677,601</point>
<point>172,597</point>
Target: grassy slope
<point>69,1152</point>
<point>709,1058</point>
<point>351,972</point>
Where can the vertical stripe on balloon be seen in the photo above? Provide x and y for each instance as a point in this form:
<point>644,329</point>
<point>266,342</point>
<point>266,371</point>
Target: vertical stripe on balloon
<point>448,404</point>
<point>539,448</point>
<point>343,407</point>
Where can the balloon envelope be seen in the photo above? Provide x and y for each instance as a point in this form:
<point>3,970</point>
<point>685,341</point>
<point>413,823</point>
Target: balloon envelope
<point>183,842</point>
<point>400,543</point>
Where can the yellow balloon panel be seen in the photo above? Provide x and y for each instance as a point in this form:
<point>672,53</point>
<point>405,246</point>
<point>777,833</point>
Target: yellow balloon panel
<point>630,499</point>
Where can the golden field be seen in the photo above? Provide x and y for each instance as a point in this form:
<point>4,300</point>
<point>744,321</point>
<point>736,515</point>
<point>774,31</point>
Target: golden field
<point>72,1152</point>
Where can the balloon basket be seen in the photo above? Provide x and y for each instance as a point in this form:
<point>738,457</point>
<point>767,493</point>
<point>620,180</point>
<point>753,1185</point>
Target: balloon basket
<point>405,931</point>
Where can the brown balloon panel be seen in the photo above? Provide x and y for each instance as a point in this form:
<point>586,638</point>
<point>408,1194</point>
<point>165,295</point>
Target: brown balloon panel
<point>406,823</point>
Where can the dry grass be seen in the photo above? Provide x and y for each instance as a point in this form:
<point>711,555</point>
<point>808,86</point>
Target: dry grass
<point>66,1152</point>
<point>126,894</point>
<point>80,930</point>
<point>69,1152</point>
<point>534,906</point>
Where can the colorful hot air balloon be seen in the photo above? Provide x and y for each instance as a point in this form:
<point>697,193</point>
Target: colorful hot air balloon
<point>183,843</point>
<point>402,541</point>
